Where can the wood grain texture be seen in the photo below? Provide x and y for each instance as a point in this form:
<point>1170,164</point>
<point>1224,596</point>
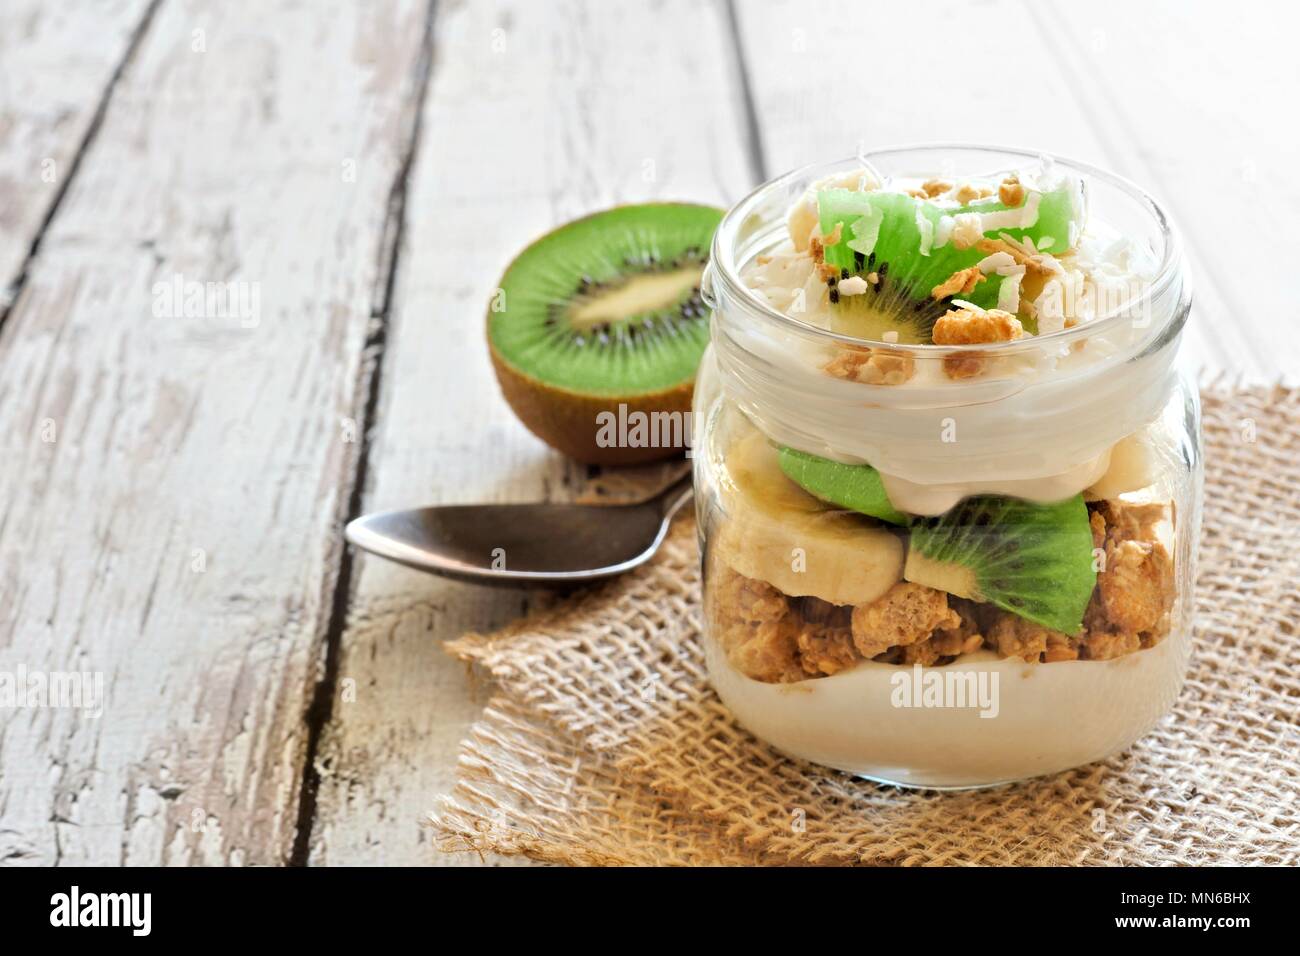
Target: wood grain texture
<point>173,486</point>
<point>57,63</point>
<point>536,114</point>
<point>180,533</point>
<point>1124,90</point>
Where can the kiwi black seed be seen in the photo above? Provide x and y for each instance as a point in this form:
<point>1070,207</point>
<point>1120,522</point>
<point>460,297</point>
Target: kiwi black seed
<point>603,312</point>
<point>891,304</point>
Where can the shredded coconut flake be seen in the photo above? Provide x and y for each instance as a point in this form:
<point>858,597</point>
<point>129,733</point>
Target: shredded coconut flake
<point>963,304</point>
<point>926,228</point>
<point>1050,308</point>
<point>943,232</point>
<point>1009,293</point>
<point>967,229</point>
<point>866,230</point>
<point>1047,178</point>
<point>999,260</point>
<point>1020,218</point>
<point>1026,247</point>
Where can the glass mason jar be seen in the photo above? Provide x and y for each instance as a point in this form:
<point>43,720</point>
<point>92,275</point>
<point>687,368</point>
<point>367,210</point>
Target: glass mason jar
<point>918,650</point>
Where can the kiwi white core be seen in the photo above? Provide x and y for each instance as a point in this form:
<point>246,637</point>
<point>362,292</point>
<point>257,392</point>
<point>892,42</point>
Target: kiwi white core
<point>954,578</point>
<point>640,294</point>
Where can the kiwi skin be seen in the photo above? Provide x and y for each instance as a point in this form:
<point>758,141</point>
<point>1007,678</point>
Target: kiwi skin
<point>566,420</point>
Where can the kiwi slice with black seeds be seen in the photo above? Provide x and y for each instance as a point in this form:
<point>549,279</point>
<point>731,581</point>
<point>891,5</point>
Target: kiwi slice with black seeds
<point>1030,559</point>
<point>602,312</point>
<point>893,240</point>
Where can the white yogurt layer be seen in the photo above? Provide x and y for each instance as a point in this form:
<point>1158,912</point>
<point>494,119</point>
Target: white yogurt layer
<point>1039,424</point>
<point>919,499</point>
<point>1044,718</point>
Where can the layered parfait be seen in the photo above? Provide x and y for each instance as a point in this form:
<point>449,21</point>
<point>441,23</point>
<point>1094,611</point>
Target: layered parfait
<point>961,454</point>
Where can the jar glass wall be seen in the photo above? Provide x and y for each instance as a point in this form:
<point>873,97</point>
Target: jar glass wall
<point>953,566</point>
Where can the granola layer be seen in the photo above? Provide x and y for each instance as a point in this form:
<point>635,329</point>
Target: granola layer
<point>772,637</point>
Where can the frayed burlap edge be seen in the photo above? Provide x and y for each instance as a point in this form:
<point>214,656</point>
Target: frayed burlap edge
<point>524,789</point>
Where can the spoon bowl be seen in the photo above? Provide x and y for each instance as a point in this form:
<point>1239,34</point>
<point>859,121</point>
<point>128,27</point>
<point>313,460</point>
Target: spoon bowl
<point>529,544</point>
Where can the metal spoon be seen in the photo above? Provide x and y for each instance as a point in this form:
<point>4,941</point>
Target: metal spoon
<point>517,545</point>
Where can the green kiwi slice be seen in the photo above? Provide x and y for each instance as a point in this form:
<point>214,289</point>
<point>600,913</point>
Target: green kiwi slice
<point>1032,560</point>
<point>610,304</point>
<point>1058,219</point>
<point>856,487</point>
<point>894,238</point>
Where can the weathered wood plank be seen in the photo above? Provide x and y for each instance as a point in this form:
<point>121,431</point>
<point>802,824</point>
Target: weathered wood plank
<point>57,63</point>
<point>1192,103</point>
<point>1006,85</point>
<point>263,149</point>
<point>537,113</point>
<point>173,481</point>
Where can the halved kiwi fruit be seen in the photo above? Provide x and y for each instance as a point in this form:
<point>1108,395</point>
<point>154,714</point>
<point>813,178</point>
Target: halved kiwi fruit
<point>893,239</point>
<point>603,312</point>
<point>856,487</point>
<point>1030,559</point>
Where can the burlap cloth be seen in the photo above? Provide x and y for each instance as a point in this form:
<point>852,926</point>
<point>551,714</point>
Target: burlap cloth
<point>603,743</point>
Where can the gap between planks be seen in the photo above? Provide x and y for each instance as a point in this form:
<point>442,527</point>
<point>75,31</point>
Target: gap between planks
<point>321,707</point>
<point>13,290</point>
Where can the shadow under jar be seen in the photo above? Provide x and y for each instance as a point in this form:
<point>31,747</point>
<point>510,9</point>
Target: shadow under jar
<point>948,566</point>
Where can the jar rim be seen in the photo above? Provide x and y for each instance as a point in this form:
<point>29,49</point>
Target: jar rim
<point>723,266</point>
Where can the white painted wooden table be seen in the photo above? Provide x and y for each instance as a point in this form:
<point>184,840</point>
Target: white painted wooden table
<point>174,481</point>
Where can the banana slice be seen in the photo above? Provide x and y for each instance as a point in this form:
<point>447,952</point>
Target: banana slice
<point>1133,464</point>
<point>776,532</point>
